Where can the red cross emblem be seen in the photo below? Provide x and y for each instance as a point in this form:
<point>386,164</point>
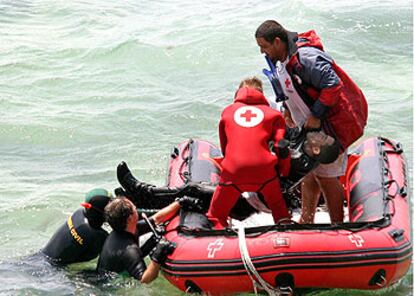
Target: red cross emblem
<point>213,247</point>
<point>248,115</point>
<point>356,239</point>
<point>287,83</point>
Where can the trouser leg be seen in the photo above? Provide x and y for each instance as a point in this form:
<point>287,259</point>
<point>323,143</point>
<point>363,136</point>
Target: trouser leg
<point>274,200</point>
<point>224,199</point>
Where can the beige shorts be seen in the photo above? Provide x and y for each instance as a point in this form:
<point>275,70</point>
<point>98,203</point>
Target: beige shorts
<point>334,169</point>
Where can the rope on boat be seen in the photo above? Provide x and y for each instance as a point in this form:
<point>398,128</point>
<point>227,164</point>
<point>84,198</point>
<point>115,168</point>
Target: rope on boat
<point>257,280</point>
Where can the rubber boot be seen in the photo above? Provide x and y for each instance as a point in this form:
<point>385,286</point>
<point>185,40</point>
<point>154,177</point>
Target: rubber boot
<point>132,186</point>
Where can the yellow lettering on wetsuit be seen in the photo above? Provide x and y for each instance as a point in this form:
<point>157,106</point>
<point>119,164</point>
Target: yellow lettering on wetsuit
<point>73,232</point>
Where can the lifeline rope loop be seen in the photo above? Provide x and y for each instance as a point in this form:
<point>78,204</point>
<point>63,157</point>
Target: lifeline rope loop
<point>257,280</point>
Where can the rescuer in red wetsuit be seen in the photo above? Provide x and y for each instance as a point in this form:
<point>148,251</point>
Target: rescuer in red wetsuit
<point>246,129</point>
<point>320,96</point>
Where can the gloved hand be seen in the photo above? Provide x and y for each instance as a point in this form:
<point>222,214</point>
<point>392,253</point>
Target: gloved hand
<point>281,148</point>
<point>190,204</point>
<point>162,250</point>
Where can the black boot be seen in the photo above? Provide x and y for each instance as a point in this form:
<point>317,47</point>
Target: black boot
<point>133,187</point>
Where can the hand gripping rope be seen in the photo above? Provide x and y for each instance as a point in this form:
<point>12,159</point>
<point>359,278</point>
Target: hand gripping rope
<point>257,280</point>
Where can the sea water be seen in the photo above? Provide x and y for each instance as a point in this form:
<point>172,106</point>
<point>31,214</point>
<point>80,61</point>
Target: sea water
<point>87,84</point>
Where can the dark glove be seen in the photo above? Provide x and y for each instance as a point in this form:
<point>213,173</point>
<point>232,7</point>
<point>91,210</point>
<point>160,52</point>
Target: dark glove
<point>190,204</point>
<point>282,148</point>
<point>149,245</point>
<point>162,250</point>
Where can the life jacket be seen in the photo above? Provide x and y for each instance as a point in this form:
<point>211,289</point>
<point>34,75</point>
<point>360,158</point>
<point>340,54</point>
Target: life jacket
<point>348,109</point>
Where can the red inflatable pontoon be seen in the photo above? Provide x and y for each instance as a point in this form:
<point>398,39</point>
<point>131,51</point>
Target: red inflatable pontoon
<point>371,251</point>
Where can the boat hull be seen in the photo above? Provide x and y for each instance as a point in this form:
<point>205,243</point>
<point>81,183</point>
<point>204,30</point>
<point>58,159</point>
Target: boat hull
<point>371,251</point>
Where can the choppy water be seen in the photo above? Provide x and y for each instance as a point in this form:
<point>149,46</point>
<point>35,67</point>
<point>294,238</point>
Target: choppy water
<point>86,84</point>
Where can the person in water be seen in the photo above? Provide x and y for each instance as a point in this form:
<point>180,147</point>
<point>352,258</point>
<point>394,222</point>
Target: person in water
<point>81,237</point>
<point>320,96</point>
<point>122,253</point>
<point>246,128</point>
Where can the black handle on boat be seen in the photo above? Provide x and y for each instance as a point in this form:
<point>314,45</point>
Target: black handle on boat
<point>157,235</point>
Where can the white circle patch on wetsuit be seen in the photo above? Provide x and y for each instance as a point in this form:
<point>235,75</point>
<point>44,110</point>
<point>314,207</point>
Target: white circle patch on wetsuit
<point>248,116</point>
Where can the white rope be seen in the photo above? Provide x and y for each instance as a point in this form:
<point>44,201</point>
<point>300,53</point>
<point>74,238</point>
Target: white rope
<point>255,277</point>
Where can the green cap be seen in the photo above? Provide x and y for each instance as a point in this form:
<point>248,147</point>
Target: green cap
<point>96,192</point>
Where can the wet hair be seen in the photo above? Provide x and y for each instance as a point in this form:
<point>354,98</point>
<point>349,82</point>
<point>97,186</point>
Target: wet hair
<point>329,153</point>
<point>271,29</point>
<point>117,213</point>
<point>253,82</point>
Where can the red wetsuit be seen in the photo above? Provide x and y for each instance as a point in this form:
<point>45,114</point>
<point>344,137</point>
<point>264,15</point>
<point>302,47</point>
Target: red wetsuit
<point>246,128</point>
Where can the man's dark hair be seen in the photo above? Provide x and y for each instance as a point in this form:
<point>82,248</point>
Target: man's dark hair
<point>117,213</point>
<point>329,153</point>
<point>271,29</point>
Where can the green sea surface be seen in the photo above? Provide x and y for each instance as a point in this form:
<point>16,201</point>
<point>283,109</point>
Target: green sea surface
<point>87,84</point>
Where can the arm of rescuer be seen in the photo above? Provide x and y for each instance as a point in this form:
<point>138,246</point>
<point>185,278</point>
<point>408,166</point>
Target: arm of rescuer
<point>161,252</point>
<point>158,257</point>
<point>281,146</point>
<point>322,76</point>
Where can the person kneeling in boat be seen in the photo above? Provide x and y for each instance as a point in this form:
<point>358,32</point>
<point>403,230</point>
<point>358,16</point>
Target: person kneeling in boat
<point>81,238</point>
<point>246,128</point>
<point>121,251</point>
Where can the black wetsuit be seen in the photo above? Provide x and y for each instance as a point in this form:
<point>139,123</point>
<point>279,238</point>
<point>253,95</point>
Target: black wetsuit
<point>121,252</point>
<point>75,241</point>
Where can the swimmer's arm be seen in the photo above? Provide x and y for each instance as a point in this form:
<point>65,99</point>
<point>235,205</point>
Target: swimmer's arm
<point>150,273</point>
<point>137,267</point>
<point>166,213</point>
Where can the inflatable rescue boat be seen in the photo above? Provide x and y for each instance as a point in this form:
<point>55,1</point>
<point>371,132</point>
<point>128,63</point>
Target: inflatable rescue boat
<point>371,250</point>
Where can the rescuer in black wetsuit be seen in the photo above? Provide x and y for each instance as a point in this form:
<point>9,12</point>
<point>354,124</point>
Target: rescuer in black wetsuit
<point>81,238</point>
<point>121,252</point>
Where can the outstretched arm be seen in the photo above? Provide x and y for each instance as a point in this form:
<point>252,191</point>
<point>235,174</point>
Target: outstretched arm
<point>166,213</point>
<point>150,273</point>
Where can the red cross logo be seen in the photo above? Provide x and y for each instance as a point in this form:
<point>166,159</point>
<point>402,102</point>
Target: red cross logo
<point>213,247</point>
<point>356,239</point>
<point>287,83</point>
<point>248,115</point>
